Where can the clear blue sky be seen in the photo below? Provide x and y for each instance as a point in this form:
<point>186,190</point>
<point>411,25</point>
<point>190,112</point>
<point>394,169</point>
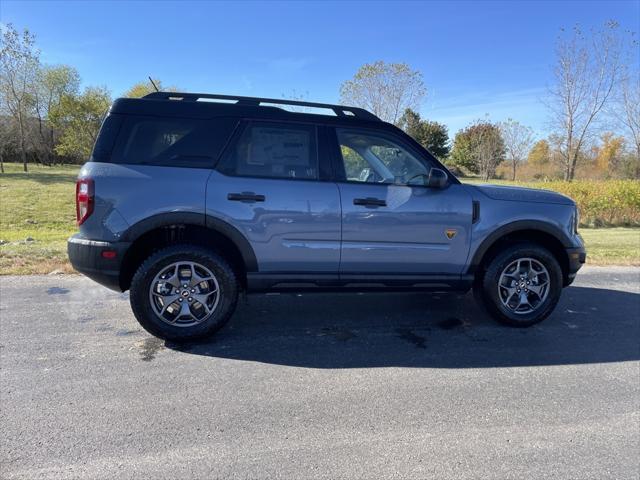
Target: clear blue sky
<point>477,58</point>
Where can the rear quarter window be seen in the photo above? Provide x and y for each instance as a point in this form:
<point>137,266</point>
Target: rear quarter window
<point>106,138</point>
<point>172,142</point>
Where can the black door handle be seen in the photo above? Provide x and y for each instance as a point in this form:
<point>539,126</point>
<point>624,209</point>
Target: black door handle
<point>370,202</point>
<point>246,197</point>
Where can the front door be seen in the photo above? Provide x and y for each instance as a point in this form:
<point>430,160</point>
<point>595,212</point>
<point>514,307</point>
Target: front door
<point>391,223</point>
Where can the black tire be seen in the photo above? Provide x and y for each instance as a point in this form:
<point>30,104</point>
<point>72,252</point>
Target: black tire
<point>151,321</point>
<point>486,286</point>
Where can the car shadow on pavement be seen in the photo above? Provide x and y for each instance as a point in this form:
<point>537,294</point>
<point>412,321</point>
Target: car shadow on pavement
<point>590,325</point>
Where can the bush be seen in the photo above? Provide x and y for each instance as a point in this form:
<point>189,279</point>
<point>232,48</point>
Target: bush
<point>607,203</point>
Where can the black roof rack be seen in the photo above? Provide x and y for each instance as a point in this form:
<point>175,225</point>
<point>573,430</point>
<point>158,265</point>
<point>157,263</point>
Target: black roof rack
<point>339,110</point>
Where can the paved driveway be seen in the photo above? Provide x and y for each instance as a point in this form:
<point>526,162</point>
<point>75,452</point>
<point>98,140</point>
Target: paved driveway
<point>321,386</point>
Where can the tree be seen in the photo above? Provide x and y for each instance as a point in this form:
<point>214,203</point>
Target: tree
<point>628,113</point>
<point>609,154</point>
<point>53,82</point>
<point>540,154</point>
<point>385,89</point>
<point>78,117</point>
<point>433,136</point>
<point>19,62</point>
<point>141,89</point>
<point>517,140</point>
<point>479,148</point>
<point>586,72</point>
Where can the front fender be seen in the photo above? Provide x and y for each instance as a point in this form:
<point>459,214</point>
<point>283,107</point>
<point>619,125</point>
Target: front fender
<point>512,227</point>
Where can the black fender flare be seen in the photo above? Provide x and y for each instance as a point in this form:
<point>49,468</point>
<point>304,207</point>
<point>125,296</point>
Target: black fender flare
<point>199,219</point>
<point>519,225</point>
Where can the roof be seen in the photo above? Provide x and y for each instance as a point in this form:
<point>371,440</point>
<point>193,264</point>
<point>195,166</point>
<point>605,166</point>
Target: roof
<point>203,105</point>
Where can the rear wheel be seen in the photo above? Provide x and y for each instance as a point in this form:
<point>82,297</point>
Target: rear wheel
<point>184,292</point>
<point>520,286</point>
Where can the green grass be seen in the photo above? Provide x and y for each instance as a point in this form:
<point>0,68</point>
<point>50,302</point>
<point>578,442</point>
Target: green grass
<point>40,205</point>
<point>612,246</point>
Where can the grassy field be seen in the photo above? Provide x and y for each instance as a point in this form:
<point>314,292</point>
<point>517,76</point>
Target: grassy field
<point>37,215</point>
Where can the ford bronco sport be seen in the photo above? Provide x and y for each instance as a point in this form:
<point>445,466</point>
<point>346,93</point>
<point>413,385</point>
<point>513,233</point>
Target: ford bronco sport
<point>189,199</point>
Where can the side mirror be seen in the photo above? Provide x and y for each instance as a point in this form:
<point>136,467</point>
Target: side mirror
<point>437,178</point>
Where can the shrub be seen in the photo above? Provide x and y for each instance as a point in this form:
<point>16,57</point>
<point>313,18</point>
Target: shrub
<point>607,203</point>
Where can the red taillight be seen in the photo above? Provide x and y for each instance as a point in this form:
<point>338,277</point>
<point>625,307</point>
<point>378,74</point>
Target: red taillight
<point>84,199</point>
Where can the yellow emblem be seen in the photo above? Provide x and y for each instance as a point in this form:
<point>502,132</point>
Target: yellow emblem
<point>450,232</point>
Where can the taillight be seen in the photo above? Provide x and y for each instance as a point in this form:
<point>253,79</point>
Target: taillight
<point>84,199</point>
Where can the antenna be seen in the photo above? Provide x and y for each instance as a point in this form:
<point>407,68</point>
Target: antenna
<point>154,84</point>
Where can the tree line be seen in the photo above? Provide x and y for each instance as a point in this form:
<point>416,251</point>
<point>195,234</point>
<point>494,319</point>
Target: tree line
<point>593,105</point>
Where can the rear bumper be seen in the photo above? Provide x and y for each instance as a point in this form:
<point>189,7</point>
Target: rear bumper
<point>86,256</point>
<point>577,257</point>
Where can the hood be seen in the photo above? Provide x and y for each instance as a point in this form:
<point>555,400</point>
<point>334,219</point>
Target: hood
<point>521,194</point>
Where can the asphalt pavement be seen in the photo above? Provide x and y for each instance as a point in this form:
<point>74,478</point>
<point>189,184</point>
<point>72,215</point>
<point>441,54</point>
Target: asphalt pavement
<point>321,386</point>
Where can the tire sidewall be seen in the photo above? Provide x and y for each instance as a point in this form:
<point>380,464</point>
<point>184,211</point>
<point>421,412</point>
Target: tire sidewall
<point>144,312</point>
<point>491,296</point>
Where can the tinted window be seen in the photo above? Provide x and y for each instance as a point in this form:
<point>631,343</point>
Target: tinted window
<point>106,138</point>
<point>175,142</point>
<point>375,158</point>
<point>273,150</point>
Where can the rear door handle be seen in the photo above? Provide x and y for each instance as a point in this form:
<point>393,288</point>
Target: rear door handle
<point>246,197</point>
<point>370,202</point>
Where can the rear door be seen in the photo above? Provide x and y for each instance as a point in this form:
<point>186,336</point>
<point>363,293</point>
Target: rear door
<point>391,223</point>
<point>273,185</point>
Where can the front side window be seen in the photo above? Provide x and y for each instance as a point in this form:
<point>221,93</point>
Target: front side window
<point>274,151</point>
<point>372,158</point>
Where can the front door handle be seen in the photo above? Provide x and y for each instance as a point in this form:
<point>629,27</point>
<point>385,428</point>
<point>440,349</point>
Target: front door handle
<point>245,197</point>
<point>370,202</point>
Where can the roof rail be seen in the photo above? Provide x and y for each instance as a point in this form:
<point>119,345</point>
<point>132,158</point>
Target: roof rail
<point>339,110</point>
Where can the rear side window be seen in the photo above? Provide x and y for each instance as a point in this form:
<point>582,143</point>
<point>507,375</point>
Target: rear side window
<point>106,138</point>
<point>172,142</point>
<point>273,150</point>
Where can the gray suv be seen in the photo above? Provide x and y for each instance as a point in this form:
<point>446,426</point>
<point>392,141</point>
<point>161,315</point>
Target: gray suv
<point>189,199</point>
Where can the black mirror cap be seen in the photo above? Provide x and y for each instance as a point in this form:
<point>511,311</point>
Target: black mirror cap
<point>437,178</point>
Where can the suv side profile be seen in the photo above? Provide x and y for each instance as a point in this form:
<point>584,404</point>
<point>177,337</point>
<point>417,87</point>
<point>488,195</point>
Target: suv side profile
<point>189,199</point>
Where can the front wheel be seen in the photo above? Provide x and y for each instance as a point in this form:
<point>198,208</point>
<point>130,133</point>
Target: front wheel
<point>520,286</point>
<point>184,292</point>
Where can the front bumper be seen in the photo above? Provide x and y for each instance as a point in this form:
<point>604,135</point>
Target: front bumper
<point>88,257</point>
<point>577,257</point>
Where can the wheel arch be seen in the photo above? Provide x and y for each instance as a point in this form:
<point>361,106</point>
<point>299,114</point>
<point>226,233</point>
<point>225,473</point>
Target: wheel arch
<point>171,228</point>
<point>544,234</point>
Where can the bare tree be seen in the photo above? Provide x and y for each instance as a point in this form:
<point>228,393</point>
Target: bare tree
<point>586,72</point>
<point>628,113</point>
<point>518,140</point>
<point>18,69</point>
<point>385,89</point>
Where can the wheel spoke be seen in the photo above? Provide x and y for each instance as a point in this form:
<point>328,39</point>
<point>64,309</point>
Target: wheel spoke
<point>523,300</point>
<point>184,310</point>
<point>511,291</point>
<point>166,301</point>
<point>538,289</point>
<point>173,280</point>
<point>197,279</point>
<point>202,297</point>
